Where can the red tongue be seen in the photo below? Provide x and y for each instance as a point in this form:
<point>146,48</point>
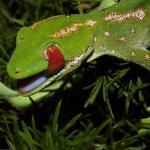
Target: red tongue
<point>56,62</point>
<point>56,59</point>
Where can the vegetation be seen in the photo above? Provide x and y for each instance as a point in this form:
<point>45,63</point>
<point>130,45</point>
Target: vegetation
<point>102,105</point>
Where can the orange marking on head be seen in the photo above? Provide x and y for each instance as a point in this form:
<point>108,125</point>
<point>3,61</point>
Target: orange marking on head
<point>71,29</point>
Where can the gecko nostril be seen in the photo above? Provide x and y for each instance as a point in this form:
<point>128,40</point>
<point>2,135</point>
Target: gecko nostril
<point>17,71</point>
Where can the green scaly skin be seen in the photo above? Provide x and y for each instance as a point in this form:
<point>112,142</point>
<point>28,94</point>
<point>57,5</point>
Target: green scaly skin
<point>122,30</point>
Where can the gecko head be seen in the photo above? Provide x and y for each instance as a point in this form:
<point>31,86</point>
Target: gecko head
<point>48,50</point>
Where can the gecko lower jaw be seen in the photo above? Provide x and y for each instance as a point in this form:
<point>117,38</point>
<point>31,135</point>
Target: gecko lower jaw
<point>37,82</point>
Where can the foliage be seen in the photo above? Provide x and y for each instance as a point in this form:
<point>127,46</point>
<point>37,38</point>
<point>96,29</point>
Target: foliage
<point>103,105</point>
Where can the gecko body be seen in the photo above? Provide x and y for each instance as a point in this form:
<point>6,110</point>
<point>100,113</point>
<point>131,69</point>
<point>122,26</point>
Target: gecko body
<point>50,49</point>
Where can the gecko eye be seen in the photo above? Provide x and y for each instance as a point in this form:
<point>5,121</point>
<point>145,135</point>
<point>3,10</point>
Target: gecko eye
<point>55,59</point>
<point>56,62</point>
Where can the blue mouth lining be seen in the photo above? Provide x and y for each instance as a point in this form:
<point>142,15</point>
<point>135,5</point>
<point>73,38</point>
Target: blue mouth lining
<point>29,84</point>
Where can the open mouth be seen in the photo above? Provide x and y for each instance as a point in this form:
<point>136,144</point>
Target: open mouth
<point>58,69</point>
<point>27,85</point>
<point>56,63</point>
<point>35,83</point>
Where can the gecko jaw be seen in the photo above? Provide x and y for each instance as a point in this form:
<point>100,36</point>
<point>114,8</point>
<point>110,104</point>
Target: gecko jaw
<point>27,85</point>
<point>35,83</point>
<point>45,79</point>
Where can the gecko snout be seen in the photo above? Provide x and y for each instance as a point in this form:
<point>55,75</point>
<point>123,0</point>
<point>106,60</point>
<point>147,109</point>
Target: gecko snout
<point>17,71</point>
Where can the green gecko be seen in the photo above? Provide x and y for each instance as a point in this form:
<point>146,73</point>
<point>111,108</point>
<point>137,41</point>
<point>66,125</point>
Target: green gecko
<point>50,49</point>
